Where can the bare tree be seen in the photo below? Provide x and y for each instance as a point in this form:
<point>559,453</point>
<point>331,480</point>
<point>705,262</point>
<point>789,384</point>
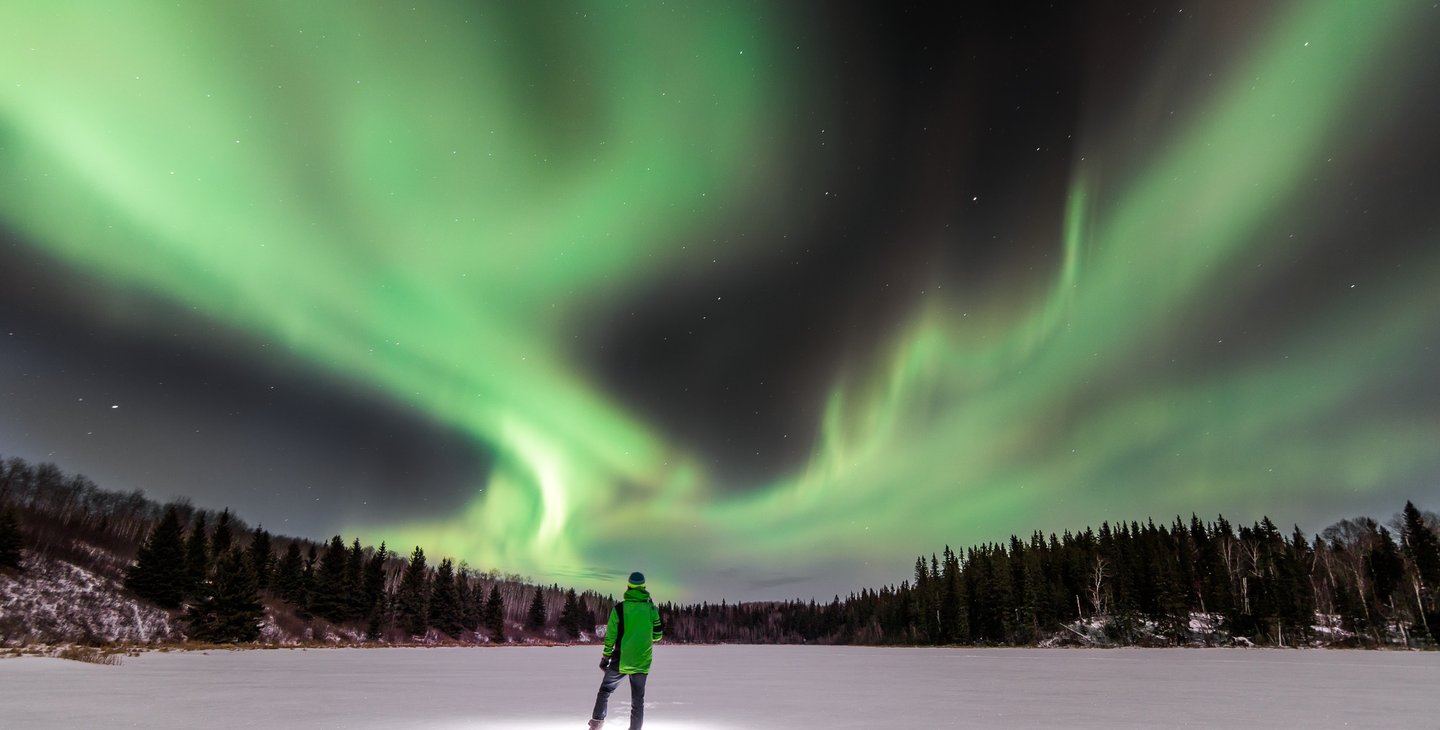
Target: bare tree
<point>1099,571</point>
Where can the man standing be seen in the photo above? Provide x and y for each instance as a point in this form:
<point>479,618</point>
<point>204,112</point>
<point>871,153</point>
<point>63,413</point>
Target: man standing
<point>634,627</point>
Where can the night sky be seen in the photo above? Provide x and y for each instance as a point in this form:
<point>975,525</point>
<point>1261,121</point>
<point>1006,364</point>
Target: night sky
<point>763,299</point>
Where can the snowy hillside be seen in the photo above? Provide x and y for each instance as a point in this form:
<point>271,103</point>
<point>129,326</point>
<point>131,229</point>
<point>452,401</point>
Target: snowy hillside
<point>53,601</point>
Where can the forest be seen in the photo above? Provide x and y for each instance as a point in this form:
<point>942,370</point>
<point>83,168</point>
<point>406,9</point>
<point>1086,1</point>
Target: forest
<point>1357,583</point>
<point>218,576</point>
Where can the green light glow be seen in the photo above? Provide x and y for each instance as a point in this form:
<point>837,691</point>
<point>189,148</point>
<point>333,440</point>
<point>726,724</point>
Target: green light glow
<point>370,187</point>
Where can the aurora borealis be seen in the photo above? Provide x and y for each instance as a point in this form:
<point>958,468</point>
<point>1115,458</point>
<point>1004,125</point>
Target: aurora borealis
<point>764,299</point>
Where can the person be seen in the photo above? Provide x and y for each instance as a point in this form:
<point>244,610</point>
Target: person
<point>633,629</point>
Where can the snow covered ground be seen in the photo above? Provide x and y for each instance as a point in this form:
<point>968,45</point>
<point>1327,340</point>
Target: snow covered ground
<point>731,687</point>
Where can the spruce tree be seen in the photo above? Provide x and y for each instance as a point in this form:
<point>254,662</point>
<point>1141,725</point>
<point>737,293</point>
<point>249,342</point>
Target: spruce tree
<point>1423,549</point>
<point>373,587</point>
<point>197,556</point>
<point>469,606</point>
<point>289,581</point>
<point>570,615</point>
<point>536,618</point>
<point>446,613</point>
<point>159,573</point>
<point>372,580</point>
<point>1297,609</point>
<point>221,538</point>
<point>355,604</point>
<point>230,610</point>
<point>412,608</point>
<point>329,600</point>
<point>9,540</point>
<point>495,615</point>
<point>951,629</point>
<point>1421,546</point>
<point>1386,568</point>
<point>307,584</point>
<point>585,618</point>
<point>922,606</point>
<point>262,561</point>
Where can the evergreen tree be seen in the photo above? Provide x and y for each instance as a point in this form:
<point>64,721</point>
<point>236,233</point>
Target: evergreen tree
<point>469,604</point>
<point>197,556</point>
<point>1421,546</point>
<point>1386,568</point>
<point>261,559</point>
<point>374,591</point>
<point>329,600</point>
<point>584,617</point>
<point>307,584</point>
<point>356,607</point>
<point>230,609</point>
<point>536,618</point>
<point>9,540</point>
<point>445,610</point>
<point>1297,608</point>
<point>289,580</point>
<point>495,615</point>
<point>159,574</point>
<point>1210,570</point>
<point>221,538</point>
<point>952,625</point>
<point>411,599</point>
<point>570,615</point>
<point>1170,609</point>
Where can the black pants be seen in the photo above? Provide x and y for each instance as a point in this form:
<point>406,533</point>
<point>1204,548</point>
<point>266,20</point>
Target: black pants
<point>637,696</point>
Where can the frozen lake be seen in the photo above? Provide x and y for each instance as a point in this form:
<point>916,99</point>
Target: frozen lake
<point>730,688</point>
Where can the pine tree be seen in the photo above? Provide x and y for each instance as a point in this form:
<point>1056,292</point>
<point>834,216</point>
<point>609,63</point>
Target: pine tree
<point>9,540</point>
<point>374,591</point>
<point>356,606</point>
<point>536,618</point>
<point>1297,609</point>
<point>261,559</point>
<point>951,625</point>
<point>411,600</point>
<point>495,615</point>
<point>230,610</point>
<point>197,556</point>
<point>159,574</point>
<point>372,588</point>
<point>570,615</point>
<point>469,604</point>
<point>445,610</point>
<point>1421,546</point>
<point>307,585</point>
<point>584,617</point>
<point>221,538</point>
<point>1211,573</point>
<point>289,581</point>
<point>1386,568</point>
<point>329,600</point>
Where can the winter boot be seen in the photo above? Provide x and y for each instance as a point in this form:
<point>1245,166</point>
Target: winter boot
<point>596,724</point>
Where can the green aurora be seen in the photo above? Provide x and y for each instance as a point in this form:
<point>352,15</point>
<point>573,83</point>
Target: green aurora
<point>400,198</point>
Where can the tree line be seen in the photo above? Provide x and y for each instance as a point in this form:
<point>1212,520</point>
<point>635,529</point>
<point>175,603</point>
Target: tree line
<point>1357,583</point>
<point>220,576</point>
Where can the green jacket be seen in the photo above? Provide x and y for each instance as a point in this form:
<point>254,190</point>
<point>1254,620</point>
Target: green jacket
<point>634,626</point>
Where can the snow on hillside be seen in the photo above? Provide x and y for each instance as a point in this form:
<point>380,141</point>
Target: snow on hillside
<point>54,601</point>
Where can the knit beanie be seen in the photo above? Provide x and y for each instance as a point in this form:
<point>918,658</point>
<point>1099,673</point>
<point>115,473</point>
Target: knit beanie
<point>637,580</point>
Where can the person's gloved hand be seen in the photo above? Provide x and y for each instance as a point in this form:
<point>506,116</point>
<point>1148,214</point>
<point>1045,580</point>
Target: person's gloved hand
<point>605,662</point>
